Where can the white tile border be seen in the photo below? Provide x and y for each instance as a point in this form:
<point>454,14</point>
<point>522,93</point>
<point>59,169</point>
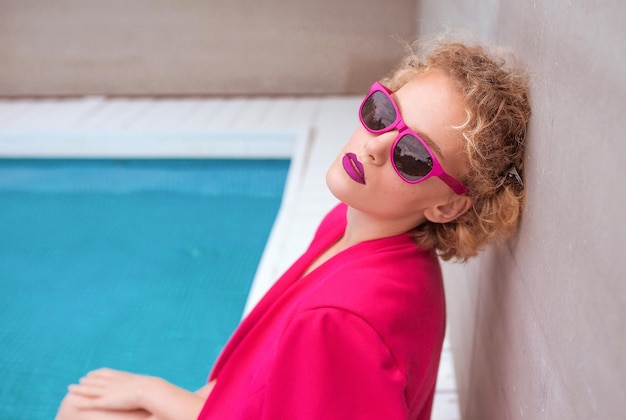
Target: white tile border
<point>146,144</point>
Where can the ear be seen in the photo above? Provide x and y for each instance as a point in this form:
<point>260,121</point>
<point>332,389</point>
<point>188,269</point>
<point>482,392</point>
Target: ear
<point>448,211</point>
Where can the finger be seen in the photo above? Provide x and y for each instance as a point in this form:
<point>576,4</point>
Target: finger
<point>101,373</point>
<point>84,403</point>
<point>95,403</point>
<point>77,401</point>
<point>80,390</point>
<point>92,382</point>
<point>109,374</point>
<point>85,390</point>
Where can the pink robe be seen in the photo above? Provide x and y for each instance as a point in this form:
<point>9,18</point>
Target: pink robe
<point>357,338</point>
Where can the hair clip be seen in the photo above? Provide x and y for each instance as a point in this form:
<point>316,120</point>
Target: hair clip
<point>511,173</point>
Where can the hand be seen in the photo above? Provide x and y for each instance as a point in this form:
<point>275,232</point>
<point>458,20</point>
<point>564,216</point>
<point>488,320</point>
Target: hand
<point>108,389</point>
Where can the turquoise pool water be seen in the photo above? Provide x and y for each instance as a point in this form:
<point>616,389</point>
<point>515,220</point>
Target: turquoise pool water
<point>142,265</point>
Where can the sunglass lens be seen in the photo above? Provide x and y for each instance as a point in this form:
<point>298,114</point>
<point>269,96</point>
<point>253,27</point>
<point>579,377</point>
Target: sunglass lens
<point>412,159</point>
<point>377,112</point>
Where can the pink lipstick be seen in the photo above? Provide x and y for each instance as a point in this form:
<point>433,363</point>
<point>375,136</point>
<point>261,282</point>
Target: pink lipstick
<point>353,168</point>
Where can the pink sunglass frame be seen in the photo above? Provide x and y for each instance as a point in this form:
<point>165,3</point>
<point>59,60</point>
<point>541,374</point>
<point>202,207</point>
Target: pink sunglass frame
<point>399,124</point>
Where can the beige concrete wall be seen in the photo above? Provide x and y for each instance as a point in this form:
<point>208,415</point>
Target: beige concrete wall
<point>197,47</point>
<point>538,326</point>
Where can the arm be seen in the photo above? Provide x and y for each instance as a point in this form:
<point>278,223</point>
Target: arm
<point>106,389</point>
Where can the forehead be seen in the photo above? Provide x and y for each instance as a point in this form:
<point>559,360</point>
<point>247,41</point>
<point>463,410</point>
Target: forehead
<point>431,106</point>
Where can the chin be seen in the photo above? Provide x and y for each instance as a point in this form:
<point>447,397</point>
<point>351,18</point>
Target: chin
<point>339,184</point>
<point>333,188</point>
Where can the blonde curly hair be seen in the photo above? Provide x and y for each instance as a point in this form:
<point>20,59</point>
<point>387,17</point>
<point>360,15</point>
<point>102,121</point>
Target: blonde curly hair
<point>497,111</point>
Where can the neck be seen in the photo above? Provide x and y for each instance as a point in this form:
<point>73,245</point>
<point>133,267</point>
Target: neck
<point>362,227</point>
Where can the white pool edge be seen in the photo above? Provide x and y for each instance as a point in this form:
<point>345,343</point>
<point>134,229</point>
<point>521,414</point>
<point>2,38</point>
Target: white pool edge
<point>147,144</point>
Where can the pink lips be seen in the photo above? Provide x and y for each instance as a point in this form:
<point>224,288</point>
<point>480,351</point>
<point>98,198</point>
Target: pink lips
<point>353,168</point>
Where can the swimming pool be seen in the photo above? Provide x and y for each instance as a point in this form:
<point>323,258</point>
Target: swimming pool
<point>142,265</point>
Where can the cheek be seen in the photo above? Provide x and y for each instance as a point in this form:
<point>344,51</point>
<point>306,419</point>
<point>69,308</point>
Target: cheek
<point>407,197</point>
<point>393,197</point>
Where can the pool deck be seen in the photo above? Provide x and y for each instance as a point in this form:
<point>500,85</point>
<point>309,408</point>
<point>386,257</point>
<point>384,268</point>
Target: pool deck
<point>311,130</point>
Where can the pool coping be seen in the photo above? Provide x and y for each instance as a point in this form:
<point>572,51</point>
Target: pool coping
<point>173,144</point>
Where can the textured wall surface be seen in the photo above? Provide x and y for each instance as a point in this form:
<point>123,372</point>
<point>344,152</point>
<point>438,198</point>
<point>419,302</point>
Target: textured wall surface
<point>538,325</point>
<point>147,47</point>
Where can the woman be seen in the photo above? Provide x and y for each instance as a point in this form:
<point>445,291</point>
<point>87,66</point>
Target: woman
<point>354,328</point>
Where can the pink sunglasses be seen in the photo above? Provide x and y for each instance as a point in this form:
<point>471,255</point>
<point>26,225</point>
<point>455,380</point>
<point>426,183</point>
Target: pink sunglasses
<point>412,159</point>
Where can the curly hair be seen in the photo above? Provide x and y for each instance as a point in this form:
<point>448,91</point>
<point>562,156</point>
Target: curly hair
<point>495,96</point>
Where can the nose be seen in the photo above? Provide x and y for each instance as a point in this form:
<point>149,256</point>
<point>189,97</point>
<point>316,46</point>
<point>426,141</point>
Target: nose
<point>378,147</point>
